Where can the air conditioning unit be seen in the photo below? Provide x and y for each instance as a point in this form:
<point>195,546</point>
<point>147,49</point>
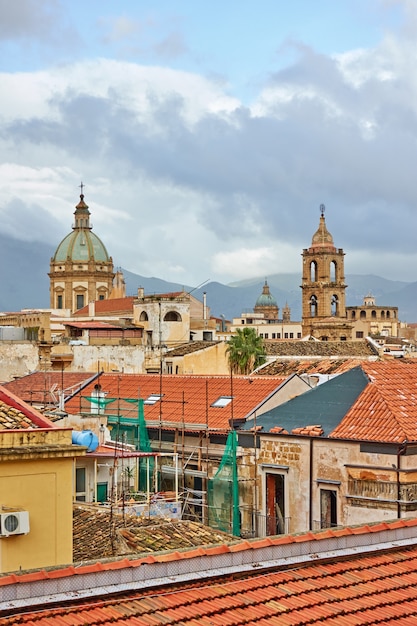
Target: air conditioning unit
<point>14,523</point>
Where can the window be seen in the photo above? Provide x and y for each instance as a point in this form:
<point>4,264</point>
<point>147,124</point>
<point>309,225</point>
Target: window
<point>80,300</point>
<point>274,335</point>
<point>242,321</point>
<point>335,305</point>
<point>353,315</point>
<point>279,336</point>
<point>143,317</point>
<point>101,297</point>
<point>333,272</point>
<point>222,401</point>
<point>328,508</point>
<point>298,335</point>
<point>172,316</point>
<point>261,335</point>
<point>359,334</point>
<point>266,335</point>
<point>313,271</point>
<point>373,315</point>
<point>291,335</point>
<point>313,306</point>
<point>169,367</point>
<point>80,484</point>
<point>363,315</point>
<point>59,301</point>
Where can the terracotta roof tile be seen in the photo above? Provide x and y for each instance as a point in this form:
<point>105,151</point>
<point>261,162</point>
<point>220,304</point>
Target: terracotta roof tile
<point>379,588</point>
<point>109,306</point>
<point>43,387</point>
<point>185,399</point>
<point>94,528</point>
<point>386,410</point>
<point>16,414</point>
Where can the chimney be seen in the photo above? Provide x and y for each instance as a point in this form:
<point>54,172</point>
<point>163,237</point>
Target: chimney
<point>204,305</point>
<point>141,292</point>
<point>91,308</point>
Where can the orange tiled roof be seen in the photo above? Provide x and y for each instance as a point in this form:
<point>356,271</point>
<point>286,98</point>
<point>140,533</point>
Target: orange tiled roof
<point>105,307</point>
<point>286,367</point>
<point>93,528</point>
<point>42,387</point>
<point>379,587</point>
<point>185,399</point>
<point>386,410</point>
<point>16,414</point>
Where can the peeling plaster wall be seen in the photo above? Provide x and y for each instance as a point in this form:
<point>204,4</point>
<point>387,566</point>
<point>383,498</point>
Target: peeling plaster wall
<point>127,359</point>
<point>17,359</point>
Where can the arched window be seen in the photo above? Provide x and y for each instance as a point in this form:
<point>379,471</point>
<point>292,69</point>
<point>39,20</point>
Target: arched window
<point>333,272</point>
<point>313,271</point>
<point>363,315</point>
<point>143,317</point>
<point>313,306</point>
<point>388,315</point>
<point>172,316</point>
<point>383,315</point>
<point>373,314</point>
<point>353,315</point>
<point>335,305</point>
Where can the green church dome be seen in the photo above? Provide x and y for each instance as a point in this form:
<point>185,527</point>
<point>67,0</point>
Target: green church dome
<point>82,244</point>
<point>266,298</point>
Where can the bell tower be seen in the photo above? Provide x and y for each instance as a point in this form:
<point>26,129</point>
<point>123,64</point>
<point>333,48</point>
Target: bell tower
<point>323,288</point>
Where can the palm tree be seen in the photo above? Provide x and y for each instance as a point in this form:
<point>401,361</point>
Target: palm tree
<point>245,351</point>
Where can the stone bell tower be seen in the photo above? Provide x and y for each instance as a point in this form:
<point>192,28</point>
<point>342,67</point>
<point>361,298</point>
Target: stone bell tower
<point>323,288</point>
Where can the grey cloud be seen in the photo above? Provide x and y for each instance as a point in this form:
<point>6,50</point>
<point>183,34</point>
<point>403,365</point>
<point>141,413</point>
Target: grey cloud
<point>28,19</point>
<point>27,222</point>
<point>171,47</point>
<point>285,167</point>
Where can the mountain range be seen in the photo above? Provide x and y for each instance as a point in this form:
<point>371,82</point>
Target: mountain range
<point>25,285</point>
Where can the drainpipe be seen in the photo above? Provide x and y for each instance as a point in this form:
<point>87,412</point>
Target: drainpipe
<point>402,449</point>
<point>311,485</point>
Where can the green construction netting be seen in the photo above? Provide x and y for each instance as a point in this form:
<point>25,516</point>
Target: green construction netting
<point>146,465</point>
<point>223,492</point>
<point>100,402</point>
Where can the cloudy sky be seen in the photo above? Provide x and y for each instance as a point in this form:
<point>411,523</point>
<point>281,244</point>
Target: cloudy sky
<point>207,134</point>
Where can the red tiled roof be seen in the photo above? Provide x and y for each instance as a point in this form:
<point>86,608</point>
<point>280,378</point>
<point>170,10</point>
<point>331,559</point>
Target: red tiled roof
<point>104,307</point>
<point>23,415</point>
<point>387,408</point>
<point>185,399</point>
<point>379,587</point>
<point>42,387</point>
<point>93,324</point>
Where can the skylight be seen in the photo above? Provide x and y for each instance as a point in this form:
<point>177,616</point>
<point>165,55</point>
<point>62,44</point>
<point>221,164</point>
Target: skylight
<point>222,401</point>
<point>153,398</point>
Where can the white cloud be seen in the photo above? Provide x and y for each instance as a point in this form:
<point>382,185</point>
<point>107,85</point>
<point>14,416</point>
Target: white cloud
<point>186,183</point>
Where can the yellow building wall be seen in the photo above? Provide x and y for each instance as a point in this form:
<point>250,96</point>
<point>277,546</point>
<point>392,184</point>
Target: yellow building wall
<point>44,489</point>
<point>36,475</point>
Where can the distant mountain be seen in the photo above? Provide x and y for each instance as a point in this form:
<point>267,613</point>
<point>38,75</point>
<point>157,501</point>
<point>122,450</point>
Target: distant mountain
<point>25,284</point>
<point>233,299</point>
<point>24,277</point>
